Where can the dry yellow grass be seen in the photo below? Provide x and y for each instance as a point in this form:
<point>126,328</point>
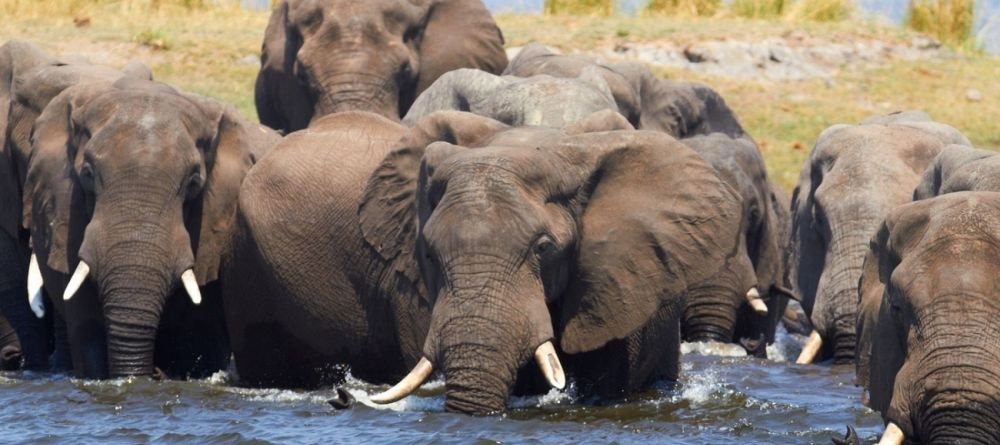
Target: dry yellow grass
<point>690,8</point>
<point>579,7</point>
<point>948,20</point>
<point>212,50</point>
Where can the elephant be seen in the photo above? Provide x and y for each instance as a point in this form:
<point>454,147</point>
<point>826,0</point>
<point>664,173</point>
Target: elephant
<point>326,56</point>
<point>468,246</point>
<point>681,109</point>
<point>29,79</point>
<point>853,177</point>
<point>745,303</point>
<point>11,356</point>
<point>130,195</point>
<point>958,168</point>
<point>539,100</point>
<point>927,331</point>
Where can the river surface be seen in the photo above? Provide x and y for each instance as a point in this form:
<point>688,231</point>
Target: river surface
<point>723,397</point>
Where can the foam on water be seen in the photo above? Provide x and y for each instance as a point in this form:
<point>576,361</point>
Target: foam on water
<point>713,348</point>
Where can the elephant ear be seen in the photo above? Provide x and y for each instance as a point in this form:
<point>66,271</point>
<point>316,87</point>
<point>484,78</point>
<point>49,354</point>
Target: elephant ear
<point>656,219</point>
<point>387,211</point>
<point>54,203</point>
<point>604,120</point>
<point>15,57</point>
<point>277,92</point>
<point>456,90</point>
<point>235,147</point>
<point>459,34</point>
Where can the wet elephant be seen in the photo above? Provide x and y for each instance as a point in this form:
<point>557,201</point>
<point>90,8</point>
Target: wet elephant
<point>745,303</point>
<point>29,79</point>
<point>130,198</point>
<point>928,335</point>
<point>325,56</point>
<point>472,248</point>
<point>854,176</point>
<point>681,109</point>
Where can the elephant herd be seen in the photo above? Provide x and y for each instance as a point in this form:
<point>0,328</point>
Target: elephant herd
<point>416,204</point>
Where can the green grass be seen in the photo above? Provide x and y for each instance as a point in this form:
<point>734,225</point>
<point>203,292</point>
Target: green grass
<point>690,8</point>
<point>948,20</point>
<point>579,7</point>
<point>758,9</point>
<point>211,50</point>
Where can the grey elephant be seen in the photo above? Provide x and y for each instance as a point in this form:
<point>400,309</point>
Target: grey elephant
<point>326,56</point>
<point>469,247</point>
<point>681,109</point>
<point>855,175</point>
<point>517,101</point>
<point>29,79</point>
<point>928,352</point>
<point>744,303</point>
<point>130,199</point>
<point>960,168</point>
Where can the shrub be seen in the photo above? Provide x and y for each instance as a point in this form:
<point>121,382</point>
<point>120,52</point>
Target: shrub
<point>948,20</point>
<point>820,10</point>
<point>579,7</point>
<point>683,7</point>
<point>758,9</point>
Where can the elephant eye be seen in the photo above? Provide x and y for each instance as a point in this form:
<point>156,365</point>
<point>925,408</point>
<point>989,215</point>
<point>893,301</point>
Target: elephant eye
<point>194,184</point>
<point>86,176</point>
<point>544,246</point>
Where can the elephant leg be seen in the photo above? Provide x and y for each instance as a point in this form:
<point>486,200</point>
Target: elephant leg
<point>62,359</point>
<point>31,332</point>
<point>192,341</point>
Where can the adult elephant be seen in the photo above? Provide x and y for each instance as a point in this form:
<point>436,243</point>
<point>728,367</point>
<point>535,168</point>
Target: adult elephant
<point>29,79</point>
<point>473,254</point>
<point>11,356</point>
<point>958,168</point>
<point>745,303</point>
<point>681,109</point>
<point>517,101</point>
<point>854,176</point>
<point>326,56</point>
<point>928,335</point>
<point>130,195</point>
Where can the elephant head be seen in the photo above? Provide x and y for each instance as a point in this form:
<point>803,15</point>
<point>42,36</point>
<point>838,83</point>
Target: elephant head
<point>854,176</point>
<point>531,237</point>
<point>746,301</point>
<point>132,188</point>
<point>960,168</point>
<point>927,349</point>
<point>538,100</point>
<point>325,56</point>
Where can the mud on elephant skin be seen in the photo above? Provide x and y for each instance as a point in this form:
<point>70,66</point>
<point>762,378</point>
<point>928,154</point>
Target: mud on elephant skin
<point>854,176</point>
<point>422,252</point>
<point>681,109</point>
<point>927,330</point>
<point>130,195</point>
<point>540,100</point>
<point>326,56</point>
<point>29,79</point>
<point>745,303</point>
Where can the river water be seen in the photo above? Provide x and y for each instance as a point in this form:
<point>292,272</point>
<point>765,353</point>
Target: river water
<point>723,397</point>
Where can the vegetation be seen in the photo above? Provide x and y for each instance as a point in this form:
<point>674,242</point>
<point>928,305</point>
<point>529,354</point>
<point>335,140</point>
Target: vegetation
<point>758,9</point>
<point>684,7</point>
<point>214,50</point>
<point>579,7</point>
<point>948,20</point>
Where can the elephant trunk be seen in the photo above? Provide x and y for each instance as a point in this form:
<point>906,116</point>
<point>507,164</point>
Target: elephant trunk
<point>478,377</point>
<point>134,291</point>
<point>710,314</point>
<point>356,85</point>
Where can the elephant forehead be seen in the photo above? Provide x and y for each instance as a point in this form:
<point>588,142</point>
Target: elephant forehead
<point>147,113</point>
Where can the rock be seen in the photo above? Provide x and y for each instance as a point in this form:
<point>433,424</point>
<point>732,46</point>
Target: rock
<point>925,43</point>
<point>249,60</point>
<point>973,95</point>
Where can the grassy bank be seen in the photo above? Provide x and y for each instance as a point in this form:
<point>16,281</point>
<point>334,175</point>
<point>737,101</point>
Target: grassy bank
<point>213,51</point>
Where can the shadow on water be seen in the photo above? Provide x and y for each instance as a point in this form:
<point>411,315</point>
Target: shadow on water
<point>722,397</point>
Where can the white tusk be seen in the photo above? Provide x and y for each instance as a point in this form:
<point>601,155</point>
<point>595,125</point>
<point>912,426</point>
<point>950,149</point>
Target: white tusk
<point>758,305</point>
<point>892,435</point>
<point>410,383</point>
<point>82,270</point>
<point>548,362</point>
<point>191,286</point>
<point>811,348</point>
<point>35,283</point>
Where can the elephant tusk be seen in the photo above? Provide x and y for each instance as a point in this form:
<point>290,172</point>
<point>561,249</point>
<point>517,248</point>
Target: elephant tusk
<point>892,435</point>
<point>35,284</point>
<point>410,383</point>
<point>82,270</point>
<point>548,362</point>
<point>791,314</point>
<point>758,305</point>
<point>191,286</point>
<point>811,348</point>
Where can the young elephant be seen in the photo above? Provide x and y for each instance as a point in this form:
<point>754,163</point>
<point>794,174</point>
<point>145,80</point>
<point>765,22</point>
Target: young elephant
<point>474,254</point>
<point>959,168</point>
<point>132,188</point>
<point>927,324</point>
<point>29,79</point>
<point>326,56</point>
<point>745,303</point>
<point>680,109</point>
<point>516,101</point>
<point>854,176</point>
